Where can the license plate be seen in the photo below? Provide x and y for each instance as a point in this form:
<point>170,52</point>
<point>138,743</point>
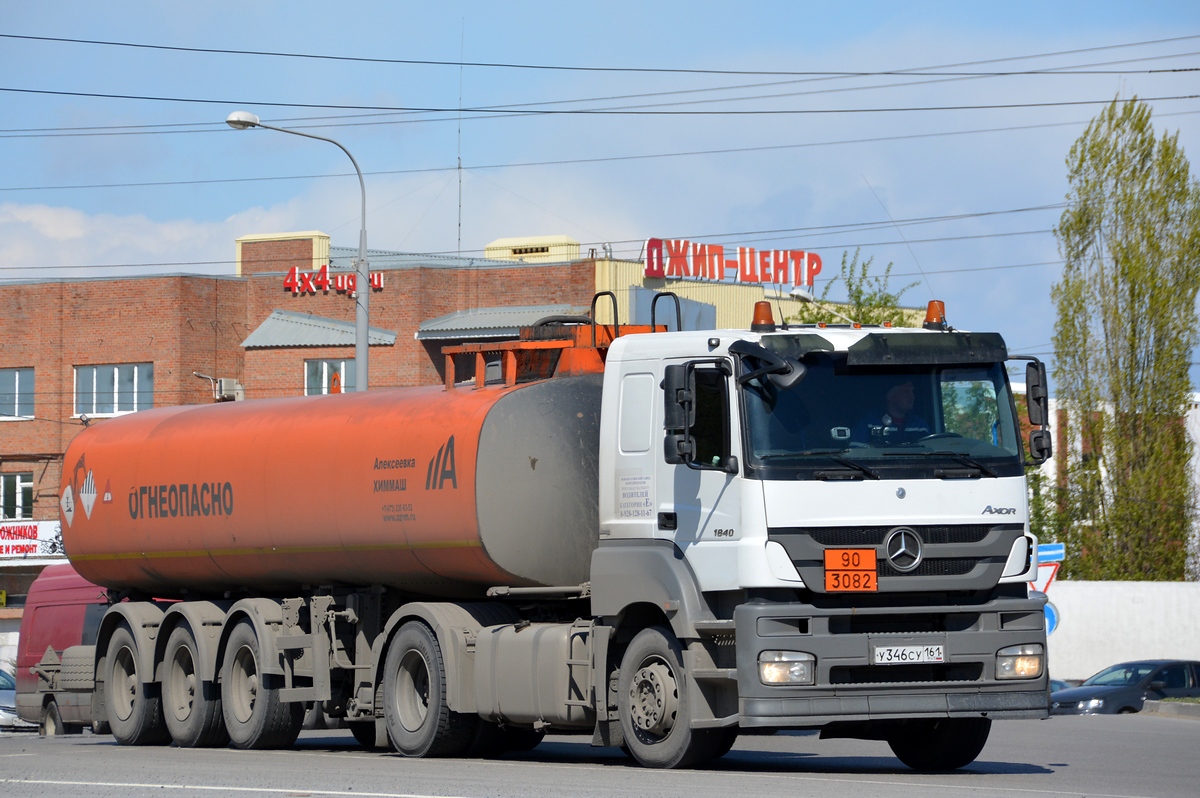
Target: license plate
<point>905,655</point>
<point>851,571</point>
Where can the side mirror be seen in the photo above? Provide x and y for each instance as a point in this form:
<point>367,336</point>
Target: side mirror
<point>786,380</point>
<point>1040,445</point>
<point>1158,684</point>
<point>1036,393</point>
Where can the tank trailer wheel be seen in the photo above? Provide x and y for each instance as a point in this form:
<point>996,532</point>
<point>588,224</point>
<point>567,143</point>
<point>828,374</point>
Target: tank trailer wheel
<point>254,714</point>
<point>419,721</point>
<point>134,709</point>
<point>943,744</point>
<point>52,725</point>
<point>191,706</point>
<point>654,705</point>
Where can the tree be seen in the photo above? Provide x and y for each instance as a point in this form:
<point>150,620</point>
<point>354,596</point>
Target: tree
<point>869,300</point>
<point>1125,330</point>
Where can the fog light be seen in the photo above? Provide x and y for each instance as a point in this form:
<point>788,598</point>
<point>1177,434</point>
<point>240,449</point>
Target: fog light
<point>1020,662</point>
<point>787,667</point>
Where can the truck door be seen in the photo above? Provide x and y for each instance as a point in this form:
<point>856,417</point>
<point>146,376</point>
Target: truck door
<point>699,503</point>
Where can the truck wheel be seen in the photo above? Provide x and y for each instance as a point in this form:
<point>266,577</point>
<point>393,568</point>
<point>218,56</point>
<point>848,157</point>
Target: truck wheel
<point>254,714</point>
<point>943,744</point>
<point>493,741</point>
<point>134,709</point>
<point>191,706</point>
<point>654,703</point>
<point>419,720</point>
<point>364,732</point>
<point>52,725</point>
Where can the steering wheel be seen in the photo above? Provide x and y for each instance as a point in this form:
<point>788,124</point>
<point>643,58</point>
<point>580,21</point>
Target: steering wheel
<point>936,435</point>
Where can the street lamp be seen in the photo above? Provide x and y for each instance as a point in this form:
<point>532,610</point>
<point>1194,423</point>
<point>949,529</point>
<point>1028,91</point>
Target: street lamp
<point>242,120</point>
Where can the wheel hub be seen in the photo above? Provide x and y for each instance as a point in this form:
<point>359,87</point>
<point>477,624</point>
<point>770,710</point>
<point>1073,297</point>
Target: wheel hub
<point>653,699</point>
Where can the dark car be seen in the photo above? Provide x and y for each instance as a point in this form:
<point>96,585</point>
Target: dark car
<point>1124,688</point>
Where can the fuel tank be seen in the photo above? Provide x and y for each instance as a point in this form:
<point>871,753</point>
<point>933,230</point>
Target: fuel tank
<point>442,492</point>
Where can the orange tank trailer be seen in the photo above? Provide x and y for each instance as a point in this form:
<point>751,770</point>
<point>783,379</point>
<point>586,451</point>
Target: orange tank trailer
<point>436,491</point>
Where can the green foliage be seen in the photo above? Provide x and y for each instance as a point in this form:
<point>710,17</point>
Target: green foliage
<point>869,299</point>
<point>1125,330</point>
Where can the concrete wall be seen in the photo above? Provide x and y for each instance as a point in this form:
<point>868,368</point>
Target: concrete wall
<point>1103,623</point>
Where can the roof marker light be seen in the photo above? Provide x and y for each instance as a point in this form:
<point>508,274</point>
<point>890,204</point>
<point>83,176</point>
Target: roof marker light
<point>763,320</point>
<point>935,315</point>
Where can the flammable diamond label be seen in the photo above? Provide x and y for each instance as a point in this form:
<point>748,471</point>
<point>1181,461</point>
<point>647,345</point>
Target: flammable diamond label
<point>87,494</point>
<point>68,505</point>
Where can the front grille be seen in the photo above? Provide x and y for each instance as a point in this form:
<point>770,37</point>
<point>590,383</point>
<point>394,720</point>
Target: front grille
<point>902,624</point>
<point>892,674</point>
<point>875,535</point>
<point>956,566</point>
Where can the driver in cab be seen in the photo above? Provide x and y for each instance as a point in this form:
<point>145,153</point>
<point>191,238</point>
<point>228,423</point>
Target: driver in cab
<point>895,422</point>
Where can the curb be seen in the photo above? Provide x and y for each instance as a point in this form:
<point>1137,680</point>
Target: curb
<point>1175,709</point>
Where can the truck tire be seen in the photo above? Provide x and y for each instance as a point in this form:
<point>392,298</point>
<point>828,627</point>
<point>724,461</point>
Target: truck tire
<point>133,704</point>
<point>493,740</point>
<point>52,725</point>
<point>654,704</point>
<point>419,721</point>
<point>191,706</point>
<point>942,744</point>
<point>255,716</point>
<point>364,732</point>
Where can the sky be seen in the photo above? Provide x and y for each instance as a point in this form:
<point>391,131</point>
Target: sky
<point>789,125</point>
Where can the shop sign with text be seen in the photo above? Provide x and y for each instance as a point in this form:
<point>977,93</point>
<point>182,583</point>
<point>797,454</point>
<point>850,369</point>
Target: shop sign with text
<point>300,282</point>
<point>672,258</point>
<point>19,539</point>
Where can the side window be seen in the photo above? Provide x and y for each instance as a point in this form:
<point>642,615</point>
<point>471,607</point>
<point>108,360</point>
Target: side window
<point>711,429</point>
<point>16,496</point>
<point>113,389</point>
<point>16,393</point>
<point>328,376</point>
<point>636,413</point>
<point>1175,676</point>
<point>971,408</point>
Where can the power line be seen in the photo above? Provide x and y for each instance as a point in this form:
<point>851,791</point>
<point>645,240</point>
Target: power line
<point>211,127</point>
<point>484,112</point>
<point>450,255</point>
<point>574,68</point>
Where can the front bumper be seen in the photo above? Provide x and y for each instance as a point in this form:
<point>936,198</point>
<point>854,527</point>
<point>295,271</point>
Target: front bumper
<point>842,634</point>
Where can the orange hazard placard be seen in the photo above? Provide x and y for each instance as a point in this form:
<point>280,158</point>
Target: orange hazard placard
<point>851,571</point>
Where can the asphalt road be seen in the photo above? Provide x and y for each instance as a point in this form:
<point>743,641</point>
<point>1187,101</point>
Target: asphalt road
<point>1099,757</point>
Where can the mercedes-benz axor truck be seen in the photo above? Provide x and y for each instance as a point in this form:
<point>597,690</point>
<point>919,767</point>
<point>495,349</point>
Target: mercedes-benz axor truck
<point>656,539</point>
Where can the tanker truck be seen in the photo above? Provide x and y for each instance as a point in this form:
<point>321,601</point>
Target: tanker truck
<point>659,539</point>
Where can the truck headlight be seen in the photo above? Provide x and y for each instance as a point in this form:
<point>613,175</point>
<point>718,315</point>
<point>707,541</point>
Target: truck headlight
<point>1020,662</point>
<point>787,667</point>
<point>1091,705</point>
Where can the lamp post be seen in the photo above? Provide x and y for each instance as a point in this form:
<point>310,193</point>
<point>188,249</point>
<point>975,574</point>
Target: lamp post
<point>241,120</point>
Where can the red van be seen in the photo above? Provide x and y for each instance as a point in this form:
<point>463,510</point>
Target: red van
<point>55,684</point>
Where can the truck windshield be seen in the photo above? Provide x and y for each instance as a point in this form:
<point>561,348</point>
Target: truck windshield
<point>911,421</point>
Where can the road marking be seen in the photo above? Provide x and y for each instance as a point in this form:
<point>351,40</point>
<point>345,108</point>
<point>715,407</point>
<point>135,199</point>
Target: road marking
<point>220,788</point>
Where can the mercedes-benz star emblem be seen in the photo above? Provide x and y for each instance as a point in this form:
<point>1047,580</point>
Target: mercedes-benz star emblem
<point>903,547</point>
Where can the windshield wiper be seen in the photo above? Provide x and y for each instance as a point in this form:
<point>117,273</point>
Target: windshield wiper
<point>846,461</point>
<point>969,462</point>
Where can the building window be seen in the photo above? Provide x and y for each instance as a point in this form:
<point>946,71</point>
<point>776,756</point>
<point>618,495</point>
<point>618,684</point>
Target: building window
<point>328,376</point>
<point>16,496</point>
<point>114,389</point>
<point>16,393</point>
